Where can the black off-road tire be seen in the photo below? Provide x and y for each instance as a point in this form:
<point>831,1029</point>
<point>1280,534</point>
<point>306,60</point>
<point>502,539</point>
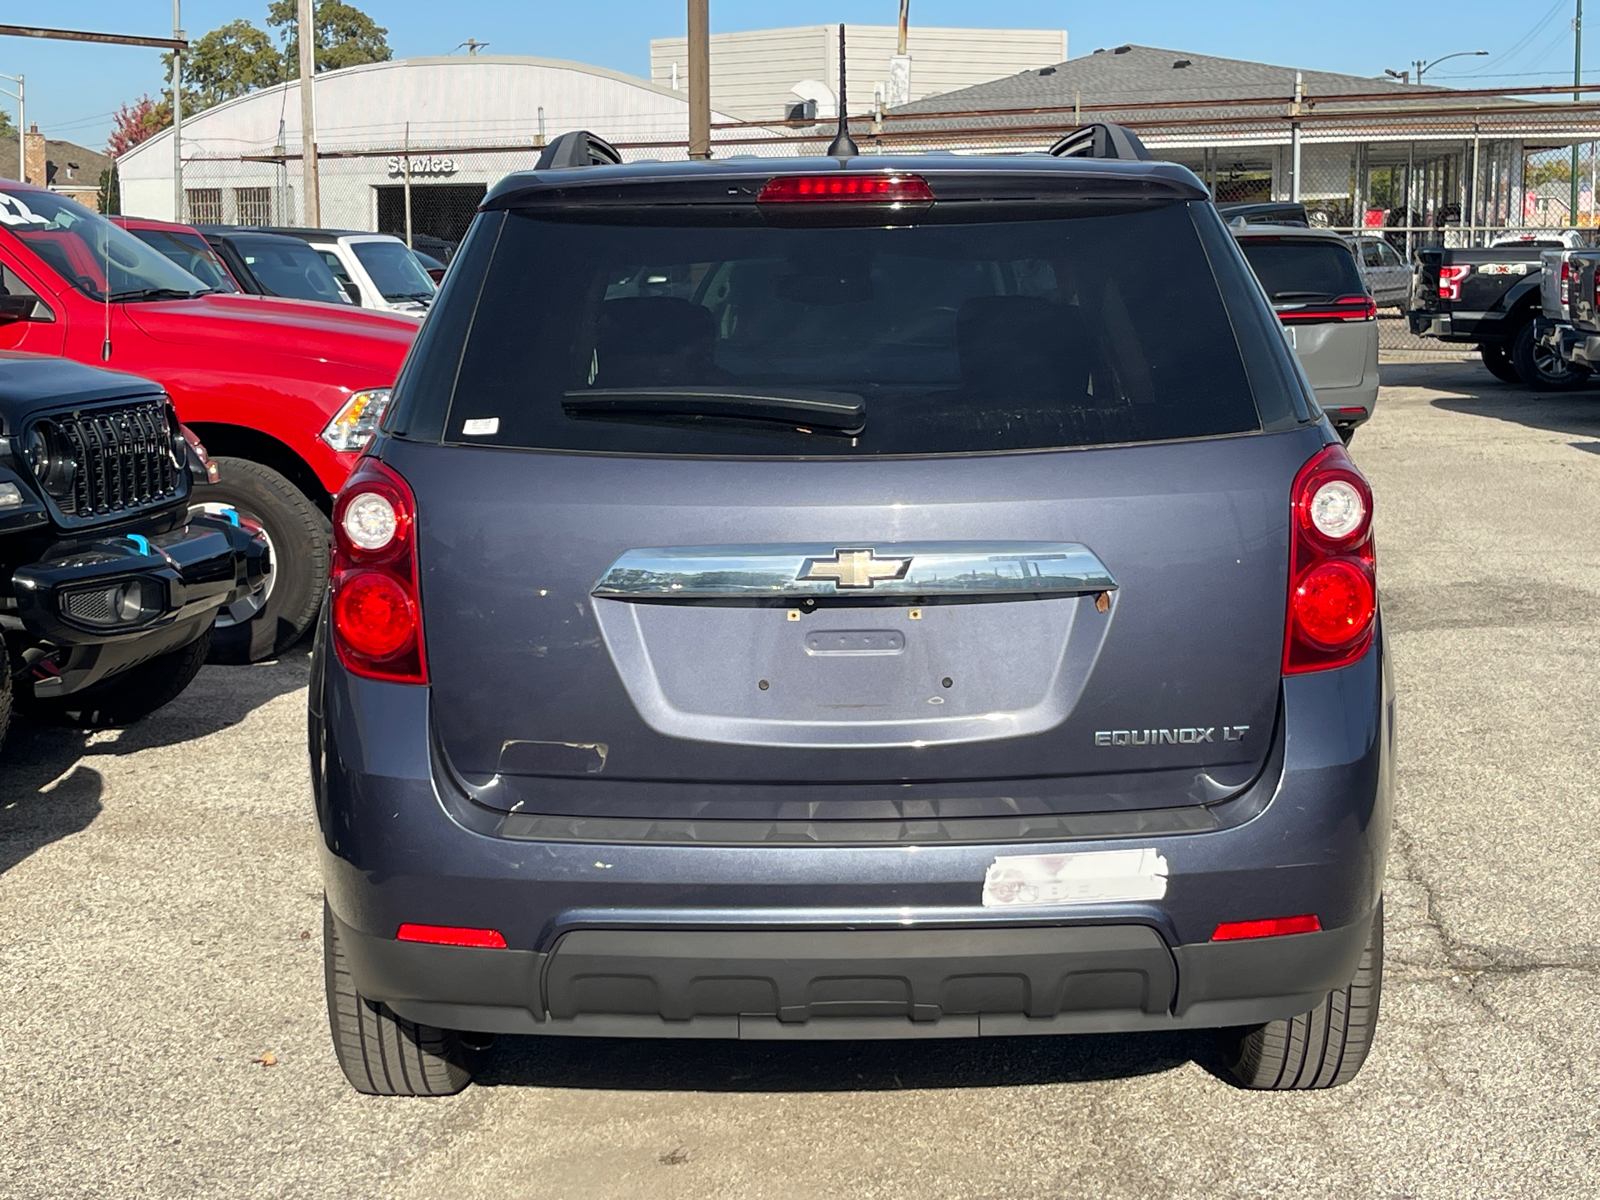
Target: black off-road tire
<point>134,694</point>
<point>380,1053</point>
<point>1319,1049</point>
<point>300,535</point>
<point>1497,359</point>
<point>1540,367</point>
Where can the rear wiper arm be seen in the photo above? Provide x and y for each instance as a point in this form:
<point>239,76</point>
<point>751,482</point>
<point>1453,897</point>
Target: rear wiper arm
<point>830,412</point>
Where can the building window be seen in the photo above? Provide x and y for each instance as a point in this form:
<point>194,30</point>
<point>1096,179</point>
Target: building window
<point>254,205</point>
<point>205,205</point>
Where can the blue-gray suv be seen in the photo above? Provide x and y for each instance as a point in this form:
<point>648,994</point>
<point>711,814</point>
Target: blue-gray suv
<point>852,597</point>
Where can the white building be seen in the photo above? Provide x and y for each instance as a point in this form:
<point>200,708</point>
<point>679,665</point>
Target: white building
<point>468,121</point>
<point>755,74</point>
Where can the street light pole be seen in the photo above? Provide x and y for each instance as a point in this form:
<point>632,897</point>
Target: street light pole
<point>177,116</point>
<point>1428,66</point>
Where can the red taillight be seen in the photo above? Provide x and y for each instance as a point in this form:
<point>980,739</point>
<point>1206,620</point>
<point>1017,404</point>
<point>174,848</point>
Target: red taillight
<point>452,935</point>
<point>847,186</point>
<point>1345,308</point>
<point>1333,596</point>
<point>377,613</point>
<point>1566,280</point>
<point>1235,931</point>
<point>1450,281</point>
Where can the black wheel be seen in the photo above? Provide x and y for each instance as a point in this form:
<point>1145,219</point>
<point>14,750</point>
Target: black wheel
<point>1540,367</point>
<point>1319,1049</point>
<point>270,621</point>
<point>1497,358</point>
<point>380,1053</point>
<point>1346,433</point>
<point>134,694</point>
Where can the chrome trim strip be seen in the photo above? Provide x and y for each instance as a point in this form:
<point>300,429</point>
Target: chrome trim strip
<point>859,569</point>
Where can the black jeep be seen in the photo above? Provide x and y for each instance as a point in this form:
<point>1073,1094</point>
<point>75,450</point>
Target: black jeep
<point>111,568</point>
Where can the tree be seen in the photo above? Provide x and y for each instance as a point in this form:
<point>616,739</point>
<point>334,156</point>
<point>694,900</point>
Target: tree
<point>110,192</point>
<point>133,123</point>
<point>227,62</point>
<point>7,127</point>
<point>346,36</point>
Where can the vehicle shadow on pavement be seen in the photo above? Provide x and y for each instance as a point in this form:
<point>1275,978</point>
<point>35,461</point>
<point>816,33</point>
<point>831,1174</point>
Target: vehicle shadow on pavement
<point>628,1064</point>
<point>48,790</point>
<point>1474,392</point>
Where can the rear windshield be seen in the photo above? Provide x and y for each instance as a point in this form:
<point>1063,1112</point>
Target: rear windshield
<point>949,338</point>
<point>1301,269</point>
<point>288,267</point>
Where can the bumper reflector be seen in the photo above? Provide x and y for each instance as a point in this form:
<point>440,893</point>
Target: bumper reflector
<point>1234,931</point>
<point>452,935</point>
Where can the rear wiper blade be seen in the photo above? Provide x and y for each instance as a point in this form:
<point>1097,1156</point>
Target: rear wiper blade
<point>831,412</point>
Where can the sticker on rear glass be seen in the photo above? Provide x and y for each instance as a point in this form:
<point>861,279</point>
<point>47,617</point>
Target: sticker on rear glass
<point>1095,877</point>
<point>480,427</point>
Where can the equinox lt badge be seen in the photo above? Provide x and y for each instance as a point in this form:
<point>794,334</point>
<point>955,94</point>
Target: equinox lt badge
<point>1188,736</point>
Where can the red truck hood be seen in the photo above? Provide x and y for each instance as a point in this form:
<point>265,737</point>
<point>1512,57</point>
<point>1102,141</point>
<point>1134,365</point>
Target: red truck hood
<point>258,325</point>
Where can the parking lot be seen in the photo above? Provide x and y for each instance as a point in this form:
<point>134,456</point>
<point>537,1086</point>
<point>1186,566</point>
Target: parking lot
<point>164,1031</point>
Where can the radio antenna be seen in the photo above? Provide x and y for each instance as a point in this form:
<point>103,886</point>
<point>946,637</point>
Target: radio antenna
<point>842,145</point>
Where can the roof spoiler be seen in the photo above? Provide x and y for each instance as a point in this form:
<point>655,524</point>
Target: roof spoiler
<point>580,148</point>
<point>1101,141</point>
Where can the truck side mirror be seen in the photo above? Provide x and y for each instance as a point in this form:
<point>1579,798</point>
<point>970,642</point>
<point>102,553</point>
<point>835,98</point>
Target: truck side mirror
<point>353,290</point>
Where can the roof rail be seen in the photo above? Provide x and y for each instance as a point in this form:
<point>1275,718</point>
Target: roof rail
<point>580,148</point>
<point>1100,141</point>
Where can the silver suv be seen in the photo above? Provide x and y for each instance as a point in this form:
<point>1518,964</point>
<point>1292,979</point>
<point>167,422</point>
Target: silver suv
<point>1328,315</point>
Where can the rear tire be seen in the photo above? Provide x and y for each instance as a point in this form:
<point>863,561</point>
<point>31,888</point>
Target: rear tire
<point>1540,367</point>
<point>299,535</point>
<point>1319,1049</point>
<point>380,1053</point>
<point>134,694</point>
<point>1497,358</point>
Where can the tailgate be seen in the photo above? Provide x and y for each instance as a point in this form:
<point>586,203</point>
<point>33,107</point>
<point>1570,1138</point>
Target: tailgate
<point>1103,631</point>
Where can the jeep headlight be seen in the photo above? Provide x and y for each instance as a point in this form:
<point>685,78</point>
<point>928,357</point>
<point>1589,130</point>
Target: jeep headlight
<point>354,424</point>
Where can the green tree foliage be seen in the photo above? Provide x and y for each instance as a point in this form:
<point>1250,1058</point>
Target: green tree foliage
<point>110,192</point>
<point>8,127</point>
<point>227,62</point>
<point>346,36</point>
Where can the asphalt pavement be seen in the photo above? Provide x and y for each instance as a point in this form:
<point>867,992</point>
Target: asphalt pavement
<point>162,1030</point>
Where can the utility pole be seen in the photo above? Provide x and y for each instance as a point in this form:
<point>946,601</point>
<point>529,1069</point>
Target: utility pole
<point>699,78</point>
<point>177,116</point>
<point>1577,82</point>
<point>307,32</point>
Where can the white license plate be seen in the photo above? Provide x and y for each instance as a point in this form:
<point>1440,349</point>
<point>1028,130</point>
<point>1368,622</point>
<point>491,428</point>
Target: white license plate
<point>1095,877</point>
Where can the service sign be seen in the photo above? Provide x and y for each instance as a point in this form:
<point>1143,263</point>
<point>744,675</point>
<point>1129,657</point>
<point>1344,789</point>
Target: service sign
<point>423,165</point>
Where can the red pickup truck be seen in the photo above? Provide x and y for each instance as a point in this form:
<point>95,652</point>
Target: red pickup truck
<point>284,393</point>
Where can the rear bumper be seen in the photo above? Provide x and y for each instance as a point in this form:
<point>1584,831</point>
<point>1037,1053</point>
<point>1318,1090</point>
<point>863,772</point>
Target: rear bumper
<point>1577,346</point>
<point>1349,406</point>
<point>843,941</point>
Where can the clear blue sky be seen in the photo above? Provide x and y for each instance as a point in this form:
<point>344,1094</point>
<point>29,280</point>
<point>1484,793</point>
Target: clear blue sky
<point>74,88</point>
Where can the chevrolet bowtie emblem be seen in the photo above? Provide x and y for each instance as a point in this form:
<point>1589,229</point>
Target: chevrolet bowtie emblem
<point>854,568</point>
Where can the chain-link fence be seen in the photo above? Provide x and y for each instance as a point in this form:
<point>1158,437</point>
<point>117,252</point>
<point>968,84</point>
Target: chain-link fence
<point>1399,172</point>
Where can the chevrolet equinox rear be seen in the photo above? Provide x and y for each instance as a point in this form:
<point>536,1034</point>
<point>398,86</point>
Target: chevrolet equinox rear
<point>886,596</point>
